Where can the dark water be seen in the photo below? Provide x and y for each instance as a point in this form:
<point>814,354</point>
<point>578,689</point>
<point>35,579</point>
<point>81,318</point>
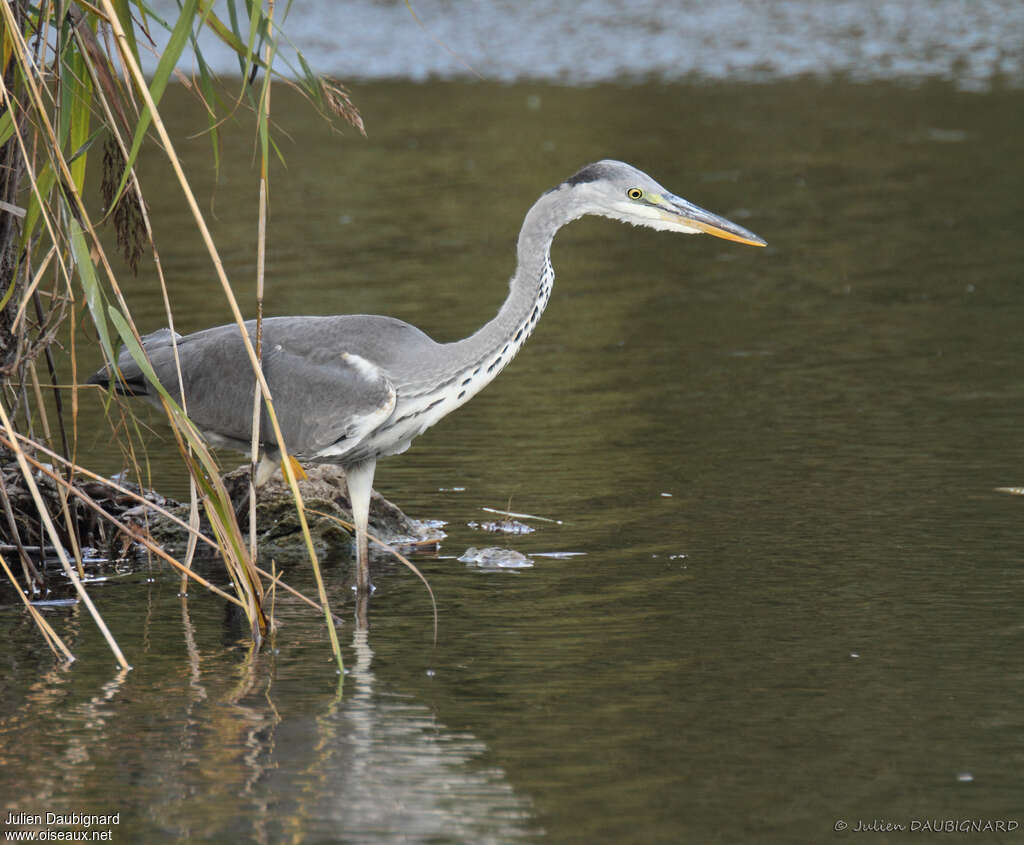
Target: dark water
<point>798,598</point>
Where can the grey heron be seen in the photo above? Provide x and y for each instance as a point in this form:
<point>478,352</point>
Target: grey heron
<point>351,389</point>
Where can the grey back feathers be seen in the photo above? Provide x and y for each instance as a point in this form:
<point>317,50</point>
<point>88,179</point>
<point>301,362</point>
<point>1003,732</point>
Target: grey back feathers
<point>319,370</point>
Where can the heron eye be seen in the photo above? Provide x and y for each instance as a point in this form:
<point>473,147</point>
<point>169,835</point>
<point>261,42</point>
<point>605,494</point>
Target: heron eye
<point>634,193</point>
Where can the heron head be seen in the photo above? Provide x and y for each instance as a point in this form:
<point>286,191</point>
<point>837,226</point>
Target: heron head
<point>620,191</point>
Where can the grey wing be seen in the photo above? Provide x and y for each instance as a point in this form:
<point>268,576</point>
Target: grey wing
<point>324,399</point>
<point>131,381</point>
<point>326,407</point>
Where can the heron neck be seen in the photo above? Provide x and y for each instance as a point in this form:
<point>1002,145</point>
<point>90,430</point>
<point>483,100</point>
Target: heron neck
<point>529,288</point>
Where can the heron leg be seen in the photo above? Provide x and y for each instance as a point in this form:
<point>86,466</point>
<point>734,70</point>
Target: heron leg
<point>360,486</point>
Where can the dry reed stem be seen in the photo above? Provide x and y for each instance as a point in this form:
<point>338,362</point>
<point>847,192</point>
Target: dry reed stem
<point>261,256</point>
<point>140,82</point>
<point>8,103</point>
<point>168,312</point>
<point>27,295</point>
<point>51,530</point>
<point>136,535</point>
<point>77,207</point>
<point>166,514</point>
<point>106,93</point>
<point>51,637</point>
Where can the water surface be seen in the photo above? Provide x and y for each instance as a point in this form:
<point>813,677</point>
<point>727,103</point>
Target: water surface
<point>974,45</point>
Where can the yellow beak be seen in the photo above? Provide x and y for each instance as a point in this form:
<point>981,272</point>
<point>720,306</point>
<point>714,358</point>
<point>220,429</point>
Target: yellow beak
<point>685,213</point>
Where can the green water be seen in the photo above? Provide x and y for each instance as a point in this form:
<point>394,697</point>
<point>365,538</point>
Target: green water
<point>798,598</point>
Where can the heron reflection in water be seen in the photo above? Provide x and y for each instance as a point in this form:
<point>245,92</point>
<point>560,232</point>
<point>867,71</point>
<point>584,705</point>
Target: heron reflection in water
<point>354,388</point>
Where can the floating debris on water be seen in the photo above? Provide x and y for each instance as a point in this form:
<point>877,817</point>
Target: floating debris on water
<point>666,495</point>
<point>1013,491</point>
<point>558,555</point>
<point>493,558</point>
<point>432,523</point>
<point>506,526</point>
<point>55,603</point>
<point>427,534</point>
<point>511,515</point>
<point>451,489</point>
<point>964,777</point>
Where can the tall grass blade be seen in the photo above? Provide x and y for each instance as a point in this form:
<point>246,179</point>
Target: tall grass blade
<point>180,36</point>
<point>90,284</point>
<point>124,15</point>
<point>6,126</point>
<point>79,86</point>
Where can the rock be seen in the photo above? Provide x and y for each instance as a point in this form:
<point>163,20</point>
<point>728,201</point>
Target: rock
<point>279,533</point>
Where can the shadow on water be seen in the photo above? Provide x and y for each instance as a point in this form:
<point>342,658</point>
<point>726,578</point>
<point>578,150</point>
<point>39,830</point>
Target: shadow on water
<point>799,595</point>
